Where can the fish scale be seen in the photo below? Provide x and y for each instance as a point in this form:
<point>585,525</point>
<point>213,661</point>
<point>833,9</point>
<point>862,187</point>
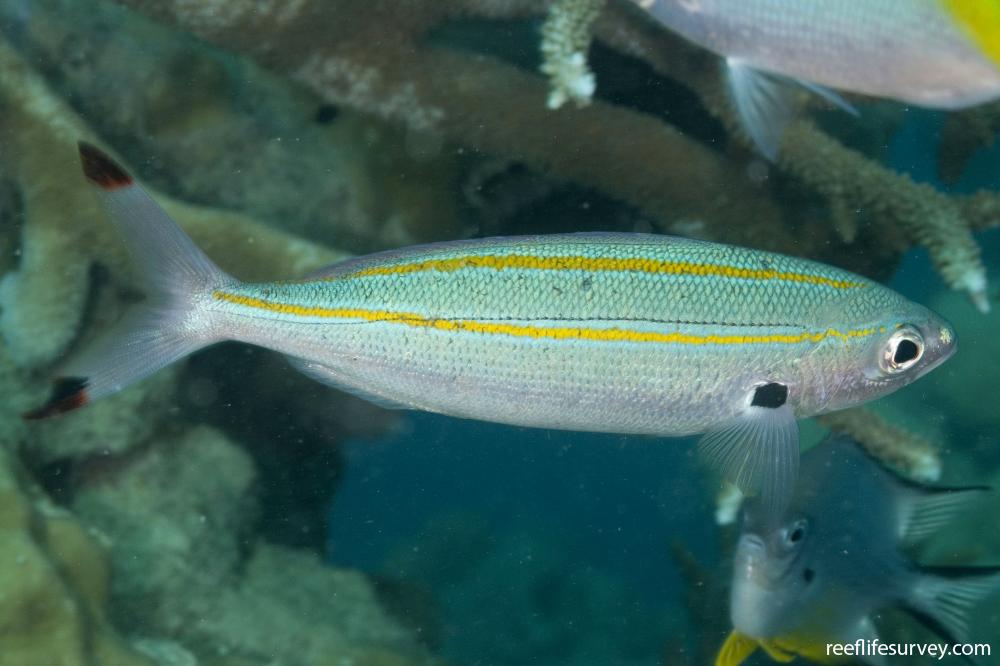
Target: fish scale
<point>580,294</point>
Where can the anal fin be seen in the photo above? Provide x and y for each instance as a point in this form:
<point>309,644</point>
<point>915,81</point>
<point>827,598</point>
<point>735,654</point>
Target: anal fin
<point>737,648</point>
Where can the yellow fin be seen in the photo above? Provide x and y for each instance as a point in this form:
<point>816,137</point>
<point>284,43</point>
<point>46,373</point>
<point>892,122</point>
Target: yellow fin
<point>786,648</point>
<point>981,19</point>
<point>780,653</point>
<point>735,650</point>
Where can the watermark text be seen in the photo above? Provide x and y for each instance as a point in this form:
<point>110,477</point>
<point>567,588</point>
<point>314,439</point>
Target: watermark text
<point>875,647</point>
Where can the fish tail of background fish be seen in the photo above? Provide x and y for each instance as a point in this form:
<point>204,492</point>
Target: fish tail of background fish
<point>178,279</point>
<point>942,598</point>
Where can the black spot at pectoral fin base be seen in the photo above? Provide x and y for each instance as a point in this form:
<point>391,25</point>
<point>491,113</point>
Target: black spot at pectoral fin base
<point>771,395</point>
<point>68,393</point>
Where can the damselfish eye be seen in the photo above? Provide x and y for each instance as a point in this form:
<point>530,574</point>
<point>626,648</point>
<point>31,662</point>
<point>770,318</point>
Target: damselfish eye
<point>796,532</point>
<point>903,350</point>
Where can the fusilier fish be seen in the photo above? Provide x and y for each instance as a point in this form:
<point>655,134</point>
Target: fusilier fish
<point>626,333</point>
<point>817,576</point>
<point>942,54</point>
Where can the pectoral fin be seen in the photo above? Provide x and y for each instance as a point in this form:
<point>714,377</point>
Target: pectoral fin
<point>759,450</point>
<point>765,103</point>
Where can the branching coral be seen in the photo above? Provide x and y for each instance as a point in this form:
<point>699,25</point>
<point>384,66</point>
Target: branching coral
<point>964,133</point>
<point>566,38</point>
<point>177,534</point>
<point>64,233</point>
<point>480,102</point>
<point>906,452</point>
<point>490,106</point>
<point>926,215</point>
<point>847,179</point>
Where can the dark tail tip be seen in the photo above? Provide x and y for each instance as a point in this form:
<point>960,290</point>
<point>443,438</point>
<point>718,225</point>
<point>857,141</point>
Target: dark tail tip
<point>100,169</point>
<point>68,394</point>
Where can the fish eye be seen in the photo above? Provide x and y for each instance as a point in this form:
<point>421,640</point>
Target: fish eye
<point>808,575</point>
<point>795,533</point>
<point>903,350</point>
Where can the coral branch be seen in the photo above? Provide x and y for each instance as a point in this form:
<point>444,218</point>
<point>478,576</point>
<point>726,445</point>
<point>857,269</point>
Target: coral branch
<point>929,217</point>
<point>904,451</point>
<point>566,38</point>
<point>848,179</point>
<point>382,65</point>
<point>65,232</point>
<point>965,133</point>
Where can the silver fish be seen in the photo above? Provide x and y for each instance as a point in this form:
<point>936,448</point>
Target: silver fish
<point>818,576</point>
<point>942,54</point>
<point>620,333</point>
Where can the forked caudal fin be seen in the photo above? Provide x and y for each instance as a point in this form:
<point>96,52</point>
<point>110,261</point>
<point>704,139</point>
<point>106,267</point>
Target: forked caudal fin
<point>176,276</point>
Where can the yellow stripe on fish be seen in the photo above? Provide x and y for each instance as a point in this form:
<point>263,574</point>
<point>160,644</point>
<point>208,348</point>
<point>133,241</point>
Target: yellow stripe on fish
<point>528,331</point>
<point>601,264</point>
<point>981,19</point>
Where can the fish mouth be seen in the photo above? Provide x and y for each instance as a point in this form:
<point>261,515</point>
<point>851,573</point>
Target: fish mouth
<point>751,559</point>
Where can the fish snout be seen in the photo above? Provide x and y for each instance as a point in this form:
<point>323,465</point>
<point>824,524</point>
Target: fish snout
<point>941,343</point>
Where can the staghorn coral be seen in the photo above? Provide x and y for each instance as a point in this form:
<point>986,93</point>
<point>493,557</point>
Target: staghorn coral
<point>566,38</point>
<point>906,452</point>
<point>483,103</point>
<point>929,217</point>
<point>489,106</point>
<point>847,179</point>
<point>493,107</point>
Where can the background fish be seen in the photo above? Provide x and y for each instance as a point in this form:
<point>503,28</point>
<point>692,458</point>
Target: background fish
<point>620,333</point>
<point>936,53</point>
<point>835,559</point>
